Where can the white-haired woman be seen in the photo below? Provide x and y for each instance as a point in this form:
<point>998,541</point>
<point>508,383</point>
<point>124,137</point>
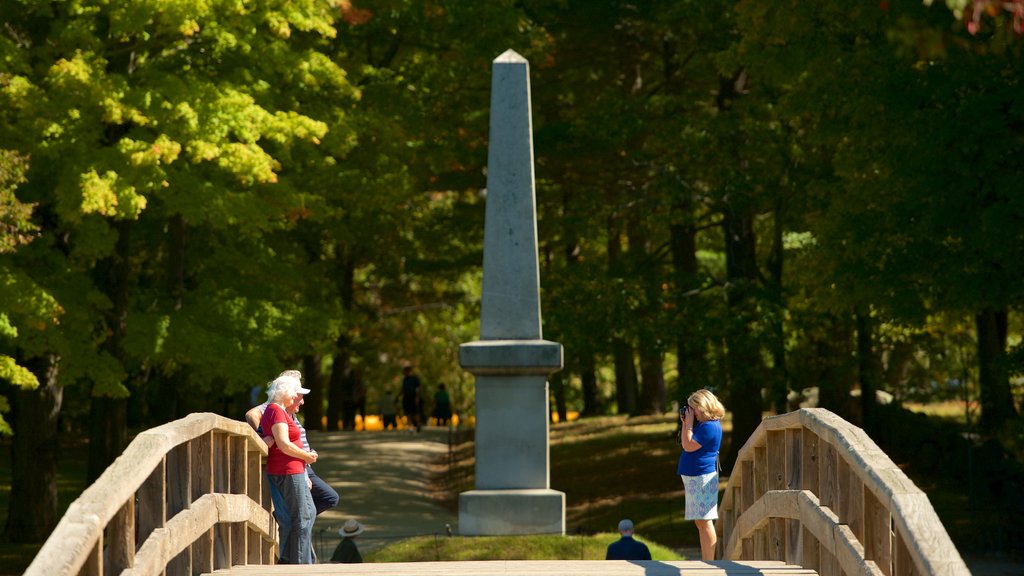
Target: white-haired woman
<point>286,469</point>
<point>701,439</point>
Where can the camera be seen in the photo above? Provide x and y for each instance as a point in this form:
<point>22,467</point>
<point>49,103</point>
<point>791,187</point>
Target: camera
<point>683,409</point>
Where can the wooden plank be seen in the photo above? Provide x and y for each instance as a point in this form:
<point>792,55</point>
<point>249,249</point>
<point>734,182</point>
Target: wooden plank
<point>238,461</point>
<point>794,458</point>
<point>776,539</point>
<point>760,471</point>
<point>794,542</point>
<point>747,485</point>
<point>855,506</point>
<point>152,505</point>
<point>179,493</point>
<point>809,456</point>
<point>810,555</point>
<point>776,454</point>
<point>254,548</point>
<point>827,564</point>
<point>94,561</point>
<point>850,554</point>
<point>239,543</point>
<point>903,562</point>
<point>121,539</point>
<point>842,489</point>
<point>877,533</point>
<point>828,476</point>
<point>222,462</point>
<point>202,467</point>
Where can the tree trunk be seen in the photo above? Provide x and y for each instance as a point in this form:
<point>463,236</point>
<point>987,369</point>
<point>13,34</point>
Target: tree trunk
<point>996,397</point>
<point>108,416</point>
<point>338,382</point>
<point>557,381</point>
<point>691,358</point>
<point>32,507</point>
<point>867,368</point>
<point>778,389</point>
<point>838,370</point>
<point>625,376</point>
<point>744,367</point>
<point>652,393</point>
<point>592,405</point>
<point>312,375</point>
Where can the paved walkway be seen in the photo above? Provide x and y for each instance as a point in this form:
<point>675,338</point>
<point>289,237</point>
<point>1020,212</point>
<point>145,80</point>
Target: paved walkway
<point>382,478</point>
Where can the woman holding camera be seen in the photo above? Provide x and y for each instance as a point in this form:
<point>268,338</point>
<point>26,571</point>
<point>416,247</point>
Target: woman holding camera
<point>701,439</point>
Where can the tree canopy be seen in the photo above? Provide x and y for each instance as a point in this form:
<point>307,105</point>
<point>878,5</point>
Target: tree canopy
<point>748,196</point>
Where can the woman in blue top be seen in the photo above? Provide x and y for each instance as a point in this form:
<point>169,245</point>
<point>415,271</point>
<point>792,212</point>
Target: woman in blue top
<point>698,465</point>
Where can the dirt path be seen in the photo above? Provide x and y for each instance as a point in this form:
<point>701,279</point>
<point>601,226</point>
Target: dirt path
<point>383,481</point>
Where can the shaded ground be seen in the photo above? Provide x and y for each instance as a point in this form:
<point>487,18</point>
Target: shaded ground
<point>383,479</point>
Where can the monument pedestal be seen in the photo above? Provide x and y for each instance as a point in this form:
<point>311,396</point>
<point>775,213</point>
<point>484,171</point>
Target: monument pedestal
<point>502,512</point>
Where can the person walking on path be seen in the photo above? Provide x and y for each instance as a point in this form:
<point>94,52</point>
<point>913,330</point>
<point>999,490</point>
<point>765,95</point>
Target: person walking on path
<point>324,497</point>
<point>626,548</point>
<point>286,460</point>
<point>698,464</point>
<point>411,403</point>
<point>386,407</point>
<point>442,406</point>
<point>347,552</point>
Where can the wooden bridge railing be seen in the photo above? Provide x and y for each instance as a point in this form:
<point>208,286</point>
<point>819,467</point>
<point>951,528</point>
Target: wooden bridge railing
<point>814,490</point>
<point>186,497</point>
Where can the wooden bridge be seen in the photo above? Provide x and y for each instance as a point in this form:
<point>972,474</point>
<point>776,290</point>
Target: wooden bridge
<point>809,494</point>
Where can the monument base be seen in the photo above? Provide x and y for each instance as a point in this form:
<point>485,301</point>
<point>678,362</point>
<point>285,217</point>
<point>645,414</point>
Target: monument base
<point>509,512</point>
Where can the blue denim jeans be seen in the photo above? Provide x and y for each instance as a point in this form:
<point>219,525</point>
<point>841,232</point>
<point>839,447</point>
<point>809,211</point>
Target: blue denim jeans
<point>295,515</point>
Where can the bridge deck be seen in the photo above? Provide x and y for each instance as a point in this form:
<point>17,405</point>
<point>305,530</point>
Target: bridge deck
<point>532,568</point>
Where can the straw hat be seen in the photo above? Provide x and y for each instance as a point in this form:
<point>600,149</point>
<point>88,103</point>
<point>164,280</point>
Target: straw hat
<point>351,529</point>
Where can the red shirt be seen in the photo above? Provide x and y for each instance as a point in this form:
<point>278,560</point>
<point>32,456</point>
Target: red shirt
<point>279,463</point>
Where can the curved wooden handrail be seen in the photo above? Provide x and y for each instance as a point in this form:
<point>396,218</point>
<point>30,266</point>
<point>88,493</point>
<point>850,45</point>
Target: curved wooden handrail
<point>822,523</point>
<point>869,509</point>
<point>186,493</point>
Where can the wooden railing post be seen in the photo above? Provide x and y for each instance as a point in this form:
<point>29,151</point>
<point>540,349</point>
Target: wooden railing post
<point>237,479</point>
<point>121,540</point>
<point>202,483</point>
<point>152,508</point>
<point>179,492</point>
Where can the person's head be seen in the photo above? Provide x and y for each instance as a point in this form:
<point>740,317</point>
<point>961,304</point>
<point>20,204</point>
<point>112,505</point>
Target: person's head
<point>287,390</point>
<point>351,529</point>
<point>407,369</point>
<point>706,405</point>
<point>440,387</point>
<point>626,527</point>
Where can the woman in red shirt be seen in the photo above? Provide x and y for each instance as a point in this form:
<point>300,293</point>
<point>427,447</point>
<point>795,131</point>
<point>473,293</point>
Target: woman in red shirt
<point>286,471</point>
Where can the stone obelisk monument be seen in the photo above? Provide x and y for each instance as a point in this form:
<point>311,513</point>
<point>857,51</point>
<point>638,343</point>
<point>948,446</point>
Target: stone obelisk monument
<point>511,361</point>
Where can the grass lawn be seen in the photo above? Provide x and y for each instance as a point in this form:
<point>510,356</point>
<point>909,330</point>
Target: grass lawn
<point>431,549</point>
<point>610,468</point>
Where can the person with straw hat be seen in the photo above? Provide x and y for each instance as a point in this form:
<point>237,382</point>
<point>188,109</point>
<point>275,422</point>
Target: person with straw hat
<point>347,552</point>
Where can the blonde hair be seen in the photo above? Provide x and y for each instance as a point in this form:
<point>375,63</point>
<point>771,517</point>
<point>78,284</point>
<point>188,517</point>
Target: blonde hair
<point>708,403</point>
